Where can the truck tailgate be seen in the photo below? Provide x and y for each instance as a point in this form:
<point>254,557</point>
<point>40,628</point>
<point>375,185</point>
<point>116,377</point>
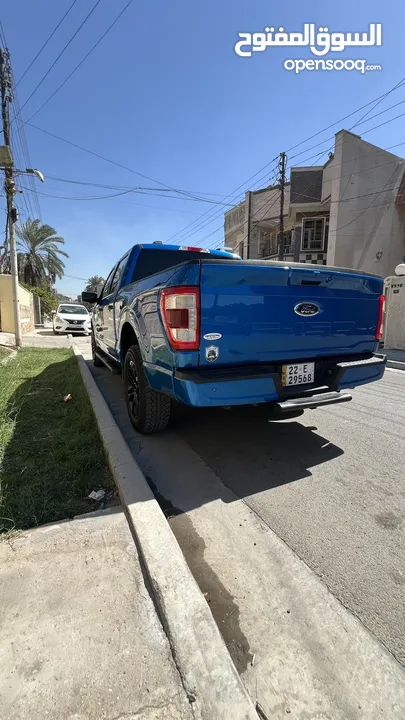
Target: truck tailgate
<point>257,310</point>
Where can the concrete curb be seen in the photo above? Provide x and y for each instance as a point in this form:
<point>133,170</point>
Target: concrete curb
<point>396,364</point>
<point>208,674</point>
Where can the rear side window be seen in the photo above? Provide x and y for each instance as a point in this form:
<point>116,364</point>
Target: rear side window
<point>154,261</point>
<point>119,273</point>
<point>107,284</point>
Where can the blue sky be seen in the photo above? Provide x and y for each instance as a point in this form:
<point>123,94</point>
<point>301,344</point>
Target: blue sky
<point>165,94</point>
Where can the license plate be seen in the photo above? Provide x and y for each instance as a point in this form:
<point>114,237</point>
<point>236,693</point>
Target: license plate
<point>298,374</point>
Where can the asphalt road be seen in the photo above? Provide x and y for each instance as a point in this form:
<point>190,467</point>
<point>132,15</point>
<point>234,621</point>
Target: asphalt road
<point>332,486</point>
<point>271,516</point>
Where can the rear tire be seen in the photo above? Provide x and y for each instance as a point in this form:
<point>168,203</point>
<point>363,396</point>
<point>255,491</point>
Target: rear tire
<point>148,410</point>
<point>96,360</point>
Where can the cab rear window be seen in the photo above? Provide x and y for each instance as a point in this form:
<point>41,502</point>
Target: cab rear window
<point>154,261</point>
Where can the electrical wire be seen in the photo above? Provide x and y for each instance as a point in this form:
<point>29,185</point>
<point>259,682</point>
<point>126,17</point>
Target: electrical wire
<point>120,187</point>
<point>400,84</point>
<point>61,53</point>
<point>101,157</point>
<point>19,145</point>
<point>139,191</point>
<point>47,41</point>
<point>82,61</point>
<point>383,96</point>
<point>401,102</point>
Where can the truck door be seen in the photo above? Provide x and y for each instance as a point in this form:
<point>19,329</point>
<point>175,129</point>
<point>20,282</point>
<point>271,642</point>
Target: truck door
<point>100,318</point>
<point>112,308</point>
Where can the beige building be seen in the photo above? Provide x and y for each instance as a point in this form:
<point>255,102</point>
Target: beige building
<point>26,302</point>
<point>348,212</point>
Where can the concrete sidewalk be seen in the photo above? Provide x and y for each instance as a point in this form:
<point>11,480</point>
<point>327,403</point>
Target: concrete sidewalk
<point>45,338</point>
<point>80,638</point>
<point>395,358</point>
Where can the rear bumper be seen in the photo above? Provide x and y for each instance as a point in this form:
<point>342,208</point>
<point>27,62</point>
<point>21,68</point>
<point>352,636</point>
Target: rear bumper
<point>262,384</point>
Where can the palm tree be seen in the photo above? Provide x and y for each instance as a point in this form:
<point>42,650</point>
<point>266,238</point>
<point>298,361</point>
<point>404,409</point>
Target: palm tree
<point>38,253</point>
<point>93,283</point>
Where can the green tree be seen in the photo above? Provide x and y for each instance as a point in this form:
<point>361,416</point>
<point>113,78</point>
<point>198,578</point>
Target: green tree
<point>94,283</point>
<point>48,300</point>
<point>39,253</point>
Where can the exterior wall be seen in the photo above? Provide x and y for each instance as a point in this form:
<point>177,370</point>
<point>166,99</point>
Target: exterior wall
<point>328,173</point>
<point>26,303</point>
<point>234,227</point>
<point>306,185</point>
<point>365,222</point>
<point>6,304</point>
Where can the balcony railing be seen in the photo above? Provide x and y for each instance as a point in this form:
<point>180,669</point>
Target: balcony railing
<point>273,252</point>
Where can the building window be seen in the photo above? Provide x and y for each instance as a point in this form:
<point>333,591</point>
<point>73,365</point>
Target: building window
<point>314,233</point>
<point>269,243</point>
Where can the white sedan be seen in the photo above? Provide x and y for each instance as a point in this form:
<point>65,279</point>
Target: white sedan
<point>71,318</point>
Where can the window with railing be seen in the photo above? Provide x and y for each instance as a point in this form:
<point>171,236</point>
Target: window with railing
<point>268,243</point>
<point>314,233</point>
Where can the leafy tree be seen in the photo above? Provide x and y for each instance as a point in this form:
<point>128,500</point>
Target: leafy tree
<point>94,283</point>
<point>48,300</point>
<point>39,253</point>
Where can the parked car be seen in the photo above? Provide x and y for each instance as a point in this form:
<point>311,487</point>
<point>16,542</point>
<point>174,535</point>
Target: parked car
<point>70,318</point>
<point>209,329</point>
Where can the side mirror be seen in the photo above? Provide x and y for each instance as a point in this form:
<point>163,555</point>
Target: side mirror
<point>89,297</point>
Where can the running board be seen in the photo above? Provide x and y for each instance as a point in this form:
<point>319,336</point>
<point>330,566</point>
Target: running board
<point>314,401</point>
<point>114,369</point>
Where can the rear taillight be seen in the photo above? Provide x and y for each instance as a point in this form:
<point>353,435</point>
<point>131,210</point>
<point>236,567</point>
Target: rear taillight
<point>380,323</point>
<point>180,308</point>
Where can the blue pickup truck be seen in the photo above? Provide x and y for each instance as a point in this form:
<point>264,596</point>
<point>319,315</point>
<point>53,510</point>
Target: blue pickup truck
<point>206,328</point>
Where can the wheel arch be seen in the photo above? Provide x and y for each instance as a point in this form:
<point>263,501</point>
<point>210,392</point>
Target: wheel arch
<point>127,338</point>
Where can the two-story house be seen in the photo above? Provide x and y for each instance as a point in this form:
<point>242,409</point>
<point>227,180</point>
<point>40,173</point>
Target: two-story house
<point>348,212</point>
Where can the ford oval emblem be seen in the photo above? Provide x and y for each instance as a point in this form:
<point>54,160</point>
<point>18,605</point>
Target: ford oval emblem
<point>307,308</point>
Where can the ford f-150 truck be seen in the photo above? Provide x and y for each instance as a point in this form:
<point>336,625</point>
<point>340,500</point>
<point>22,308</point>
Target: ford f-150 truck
<point>206,328</point>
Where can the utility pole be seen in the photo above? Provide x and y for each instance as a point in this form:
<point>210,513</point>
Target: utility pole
<point>9,185</point>
<point>249,224</point>
<point>282,168</point>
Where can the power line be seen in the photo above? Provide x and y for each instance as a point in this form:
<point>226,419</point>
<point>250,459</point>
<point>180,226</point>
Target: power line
<point>101,157</point>
<point>231,194</point>
<point>121,187</point>
<point>400,84</point>
<point>368,206</point>
<point>46,42</point>
<point>81,61</point>
<point>19,141</point>
<point>401,102</point>
<point>61,53</point>
<point>138,191</point>
<point>384,95</point>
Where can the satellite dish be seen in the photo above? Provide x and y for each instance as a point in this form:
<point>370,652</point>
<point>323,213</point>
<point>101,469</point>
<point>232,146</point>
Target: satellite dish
<point>400,269</point>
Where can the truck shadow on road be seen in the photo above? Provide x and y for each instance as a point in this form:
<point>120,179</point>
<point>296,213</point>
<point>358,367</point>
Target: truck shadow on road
<point>252,453</point>
<point>247,452</point>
